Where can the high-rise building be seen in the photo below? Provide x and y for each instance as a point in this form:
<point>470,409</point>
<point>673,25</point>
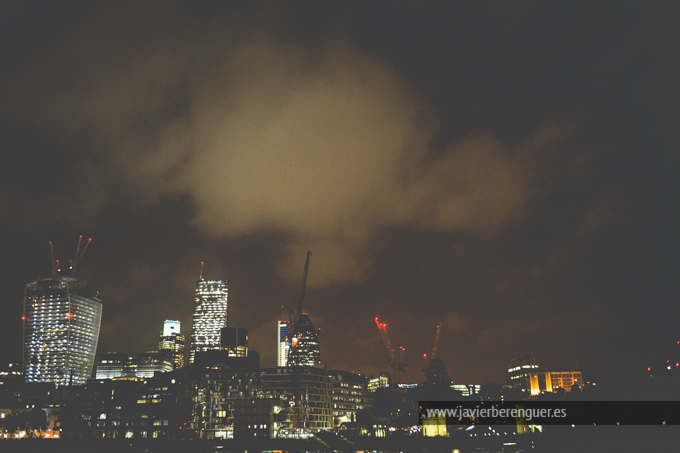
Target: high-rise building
<point>304,345</point>
<point>235,341</point>
<point>210,316</point>
<point>282,342</point>
<point>173,342</point>
<point>62,317</point>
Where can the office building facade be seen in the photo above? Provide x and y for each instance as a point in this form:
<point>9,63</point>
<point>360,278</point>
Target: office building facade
<point>111,365</point>
<point>210,316</point>
<point>61,322</point>
<point>282,342</point>
<point>234,340</point>
<point>311,391</point>
<point>172,341</point>
<point>151,362</point>
<point>304,345</point>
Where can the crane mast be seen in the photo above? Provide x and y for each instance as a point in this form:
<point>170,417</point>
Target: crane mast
<point>79,254</point>
<point>294,315</point>
<point>396,354</point>
<point>55,263</point>
<point>436,341</point>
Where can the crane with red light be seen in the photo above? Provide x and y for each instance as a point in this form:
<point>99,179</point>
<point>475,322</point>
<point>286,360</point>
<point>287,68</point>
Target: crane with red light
<point>396,354</point>
<point>80,251</point>
<point>434,347</point>
<point>55,263</point>
<point>79,254</point>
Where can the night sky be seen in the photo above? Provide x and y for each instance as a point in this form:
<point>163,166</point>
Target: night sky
<point>506,169</point>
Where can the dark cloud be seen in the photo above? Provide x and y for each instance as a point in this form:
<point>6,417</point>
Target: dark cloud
<point>473,166</point>
<point>321,141</point>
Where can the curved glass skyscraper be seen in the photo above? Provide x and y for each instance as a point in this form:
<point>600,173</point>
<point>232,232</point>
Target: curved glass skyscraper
<point>304,346</point>
<point>61,319</point>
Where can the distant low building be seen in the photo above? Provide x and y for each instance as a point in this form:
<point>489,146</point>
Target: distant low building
<point>520,368</point>
<point>350,395</point>
<point>550,381</point>
<point>379,382</point>
<point>311,390</point>
<point>118,365</point>
<point>259,418</point>
<point>112,365</point>
<point>151,362</point>
<point>234,340</point>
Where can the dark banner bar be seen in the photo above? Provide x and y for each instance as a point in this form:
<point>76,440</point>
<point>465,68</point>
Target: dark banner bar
<point>550,412</point>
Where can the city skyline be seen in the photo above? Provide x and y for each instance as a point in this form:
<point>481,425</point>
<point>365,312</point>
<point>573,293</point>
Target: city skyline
<point>505,171</point>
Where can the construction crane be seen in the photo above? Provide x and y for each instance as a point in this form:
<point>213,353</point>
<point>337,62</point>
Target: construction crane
<point>294,314</point>
<point>55,263</point>
<point>80,251</point>
<point>396,354</point>
<point>436,342</point>
<point>79,254</point>
<point>433,351</point>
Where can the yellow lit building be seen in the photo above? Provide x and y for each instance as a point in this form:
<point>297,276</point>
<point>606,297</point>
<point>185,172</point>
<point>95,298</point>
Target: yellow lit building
<point>550,381</point>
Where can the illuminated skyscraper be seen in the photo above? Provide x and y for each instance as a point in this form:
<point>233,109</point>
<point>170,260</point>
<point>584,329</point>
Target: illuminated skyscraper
<point>210,316</point>
<point>173,341</point>
<point>282,342</point>
<point>61,318</point>
<point>304,345</point>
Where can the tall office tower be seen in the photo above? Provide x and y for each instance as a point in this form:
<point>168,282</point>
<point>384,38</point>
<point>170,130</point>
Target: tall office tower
<point>235,341</point>
<point>210,315</point>
<point>282,342</point>
<point>304,346</point>
<point>173,342</point>
<point>61,318</point>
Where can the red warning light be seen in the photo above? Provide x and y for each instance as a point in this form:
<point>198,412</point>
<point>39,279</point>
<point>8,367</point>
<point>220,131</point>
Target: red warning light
<point>70,315</point>
<point>24,318</point>
<point>649,368</point>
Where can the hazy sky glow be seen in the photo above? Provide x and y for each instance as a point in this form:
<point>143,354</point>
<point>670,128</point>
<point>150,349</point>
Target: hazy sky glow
<point>506,169</point>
